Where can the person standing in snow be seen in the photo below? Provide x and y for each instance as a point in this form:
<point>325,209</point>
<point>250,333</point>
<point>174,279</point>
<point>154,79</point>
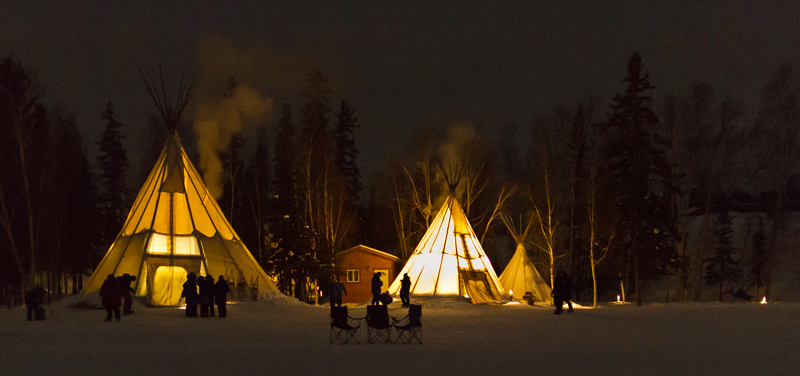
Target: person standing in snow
<point>342,291</point>
<point>125,283</point>
<point>111,292</point>
<point>405,290</point>
<point>210,294</point>
<point>562,292</point>
<point>376,288</point>
<point>190,293</point>
<point>221,296</point>
<point>34,298</point>
<point>333,292</point>
<point>203,296</point>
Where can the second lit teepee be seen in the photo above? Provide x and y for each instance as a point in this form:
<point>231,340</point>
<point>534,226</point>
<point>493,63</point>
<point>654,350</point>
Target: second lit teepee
<point>520,275</point>
<point>449,260</point>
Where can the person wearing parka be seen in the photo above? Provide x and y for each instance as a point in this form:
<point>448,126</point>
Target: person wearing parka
<point>221,296</point>
<point>111,294</point>
<point>190,293</point>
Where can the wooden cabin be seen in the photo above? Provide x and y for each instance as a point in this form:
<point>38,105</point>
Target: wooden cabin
<point>359,263</point>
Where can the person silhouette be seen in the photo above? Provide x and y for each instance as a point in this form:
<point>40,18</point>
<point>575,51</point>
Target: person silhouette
<point>221,296</point>
<point>111,294</point>
<point>405,289</point>
<point>562,292</point>
<point>190,293</point>
<point>376,288</point>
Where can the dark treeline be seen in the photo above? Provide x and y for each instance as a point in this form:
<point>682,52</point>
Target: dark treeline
<point>612,189</point>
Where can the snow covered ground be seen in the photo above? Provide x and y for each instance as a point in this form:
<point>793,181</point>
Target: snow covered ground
<point>458,339</point>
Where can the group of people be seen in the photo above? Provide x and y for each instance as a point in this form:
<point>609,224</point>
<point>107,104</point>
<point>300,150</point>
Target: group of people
<point>116,291</point>
<point>209,293</point>
<point>336,291</point>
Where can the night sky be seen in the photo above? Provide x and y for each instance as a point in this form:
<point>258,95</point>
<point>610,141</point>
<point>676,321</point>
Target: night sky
<point>400,65</point>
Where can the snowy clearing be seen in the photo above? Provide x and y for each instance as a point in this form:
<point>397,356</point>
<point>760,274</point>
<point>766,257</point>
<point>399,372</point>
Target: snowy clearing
<point>458,339</point>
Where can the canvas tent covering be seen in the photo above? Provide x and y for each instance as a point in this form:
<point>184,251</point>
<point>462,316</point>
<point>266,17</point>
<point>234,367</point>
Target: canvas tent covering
<point>175,227</point>
<point>520,276</point>
<point>449,260</point>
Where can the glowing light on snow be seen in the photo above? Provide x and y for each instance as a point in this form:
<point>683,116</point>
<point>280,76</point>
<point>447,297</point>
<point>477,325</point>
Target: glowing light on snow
<point>764,301</point>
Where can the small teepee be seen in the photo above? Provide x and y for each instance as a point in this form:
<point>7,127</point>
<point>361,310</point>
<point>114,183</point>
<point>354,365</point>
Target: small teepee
<point>520,275</point>
<point>449,260</point>
<point>175,227</point>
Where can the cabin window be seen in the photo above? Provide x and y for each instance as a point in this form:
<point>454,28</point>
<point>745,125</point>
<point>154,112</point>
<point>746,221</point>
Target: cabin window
<point>353,275</point>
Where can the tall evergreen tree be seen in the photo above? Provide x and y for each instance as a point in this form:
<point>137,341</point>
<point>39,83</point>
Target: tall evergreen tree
<point>640,176</point>
<point>288,240</point>
<point>257,187</point>
<point>777,126</point>
<point>346,151</point>
<point>75,219</point>
<point>113,163</point>
<point>24,141</point>
<point>721,266</point>
<point>758,261</point>
<point>316,161</point>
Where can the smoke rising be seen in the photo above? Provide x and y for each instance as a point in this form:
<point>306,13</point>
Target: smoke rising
<point>454,149</point>
<point>225,106</point>
<point>454,152</point>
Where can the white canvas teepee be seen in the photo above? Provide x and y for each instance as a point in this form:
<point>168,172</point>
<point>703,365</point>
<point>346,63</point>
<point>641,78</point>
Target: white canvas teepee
<point>520,275</point>
<point>449,260</point>
<point>175,227</point>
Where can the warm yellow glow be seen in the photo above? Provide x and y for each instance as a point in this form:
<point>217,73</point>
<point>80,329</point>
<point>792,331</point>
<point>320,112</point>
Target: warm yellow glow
<point>171,210</point>
<point>184,245</point>
<point>158,244</point>
<point>764,301</point>
<point>169,281</point>
<point>520,277</point>
<point>448,247</point>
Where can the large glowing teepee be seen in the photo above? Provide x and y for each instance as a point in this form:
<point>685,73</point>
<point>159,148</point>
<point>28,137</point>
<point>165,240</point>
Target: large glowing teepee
<point>175,227</point>
<point>520,275</point>
<point>449,260</point>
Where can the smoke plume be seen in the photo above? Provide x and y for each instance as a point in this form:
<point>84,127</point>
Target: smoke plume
<point>454,152</point>
<point>215,123</point>
<point>226,105</point>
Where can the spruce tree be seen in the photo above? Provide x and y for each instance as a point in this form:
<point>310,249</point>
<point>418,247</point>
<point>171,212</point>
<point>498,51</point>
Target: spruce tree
<point>288,239</point>
<point>640,177</point>
<point>113,163</point>
<point>24,143</point>
<point>720,266</point>
<point>257,197</point>
<point>75,202</point>
<point>346,151</point>
<point>758,261</point>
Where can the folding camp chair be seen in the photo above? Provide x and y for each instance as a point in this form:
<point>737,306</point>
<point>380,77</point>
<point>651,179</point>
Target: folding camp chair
<point>412,329</point>
<point>378,326</point>
<point>340,325</point>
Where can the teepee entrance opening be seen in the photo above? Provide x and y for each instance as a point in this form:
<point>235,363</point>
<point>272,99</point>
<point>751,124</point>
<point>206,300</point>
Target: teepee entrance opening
<point>168,283</point>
